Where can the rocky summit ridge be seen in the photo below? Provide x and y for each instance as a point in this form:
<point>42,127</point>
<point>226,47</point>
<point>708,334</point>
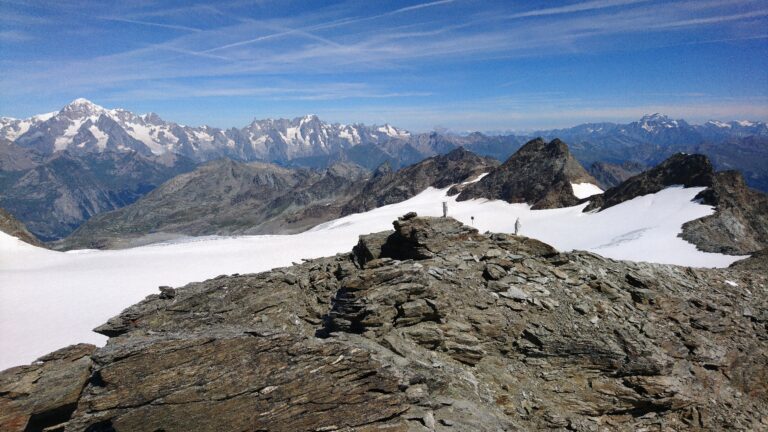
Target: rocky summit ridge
<point>430,327</point>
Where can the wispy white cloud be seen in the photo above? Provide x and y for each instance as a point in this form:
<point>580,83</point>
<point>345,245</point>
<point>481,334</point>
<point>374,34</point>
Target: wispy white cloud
<point>284,91</point>
<point>14,36</point>
<point>711,20</point>
<point>577,7</point>
<point>304,50</point>
<point>151,24</point>
<point>328,25</point>
<point>419,6</point>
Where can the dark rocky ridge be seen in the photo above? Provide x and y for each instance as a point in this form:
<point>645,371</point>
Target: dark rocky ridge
<point>388,187</point>
<point>680,169</point>
<point>13,227</point>
<point>431,327</point>
<point>539,174</point>
<point>739,225</point>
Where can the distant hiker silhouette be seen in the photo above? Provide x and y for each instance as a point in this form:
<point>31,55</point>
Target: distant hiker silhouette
<point>517,226</point>
<point>473,219</point>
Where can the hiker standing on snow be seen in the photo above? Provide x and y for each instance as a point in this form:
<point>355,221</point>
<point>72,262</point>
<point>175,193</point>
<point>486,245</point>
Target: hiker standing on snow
<point>517,226</point>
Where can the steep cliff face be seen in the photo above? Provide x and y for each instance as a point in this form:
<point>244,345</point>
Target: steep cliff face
<point>540,174</point>
<point>433,326</point>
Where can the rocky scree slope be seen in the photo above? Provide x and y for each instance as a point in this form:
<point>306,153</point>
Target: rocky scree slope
<point>739,225</point>
<point>539,174</point>
<point>432,327</point>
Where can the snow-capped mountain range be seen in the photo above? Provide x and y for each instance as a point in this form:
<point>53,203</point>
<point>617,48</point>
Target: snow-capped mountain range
<point>661,130</point>
<point>83,126</point>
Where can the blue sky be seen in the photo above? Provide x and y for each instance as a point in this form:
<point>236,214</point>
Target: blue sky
<point>456,64</point>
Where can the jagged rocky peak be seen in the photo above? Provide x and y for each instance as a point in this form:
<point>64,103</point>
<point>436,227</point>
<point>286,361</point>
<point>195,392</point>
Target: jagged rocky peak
<point>152,118</point>
<point>651,122</point>
<point>738,226</point>
<point>432,326</point>
<point>541,174</point>
<point>688,170</point>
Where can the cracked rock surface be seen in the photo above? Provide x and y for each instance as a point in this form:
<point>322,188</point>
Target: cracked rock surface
<point>430,327</point>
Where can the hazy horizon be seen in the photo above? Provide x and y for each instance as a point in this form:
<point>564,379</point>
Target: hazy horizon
<point>438,128</point>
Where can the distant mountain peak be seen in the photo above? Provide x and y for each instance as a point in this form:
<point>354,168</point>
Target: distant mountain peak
<point>392,131</point>
<point>309,117</point>
<point>656,122</point>
<point>83,102</point>
<point>83,106</point>
<point>719,124</point>
<point>655,117</point>
<point>153,118</point>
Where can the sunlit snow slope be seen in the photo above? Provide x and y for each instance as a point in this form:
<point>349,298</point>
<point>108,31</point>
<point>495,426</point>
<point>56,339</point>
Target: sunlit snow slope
<point>50,299</point>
